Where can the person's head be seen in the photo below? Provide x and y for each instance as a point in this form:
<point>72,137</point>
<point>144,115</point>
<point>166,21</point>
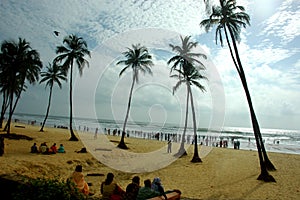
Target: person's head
<point>78,168</point>
<point>54,144</point>
<point>61,145</point>
<point>136,180</point>
<point>147,183</point>
<point>157,181</point>
<point>109,178</point>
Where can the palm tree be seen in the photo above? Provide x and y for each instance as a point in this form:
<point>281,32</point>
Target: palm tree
<point>19,62</point>
<point>229,17</point>
<point>54,74</point>
<point>138,59</point>
<point>190,76</point>
<point>184,56</point>
<point>74,51</point>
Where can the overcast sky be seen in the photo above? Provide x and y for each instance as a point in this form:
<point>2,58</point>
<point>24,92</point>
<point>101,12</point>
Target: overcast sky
<point>269,51</point>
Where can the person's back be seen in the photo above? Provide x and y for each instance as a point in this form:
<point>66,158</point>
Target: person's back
<point>61,149</point>
<point>78,178</point>
<point>132,189</point>
<point>34,149</point>
<point>146,192</point>
<point>109,189</point>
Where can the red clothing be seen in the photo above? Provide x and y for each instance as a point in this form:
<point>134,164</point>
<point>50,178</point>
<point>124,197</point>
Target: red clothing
<point>53,149</point>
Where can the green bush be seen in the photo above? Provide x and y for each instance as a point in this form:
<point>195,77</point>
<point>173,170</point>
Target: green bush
<point>47,189</point>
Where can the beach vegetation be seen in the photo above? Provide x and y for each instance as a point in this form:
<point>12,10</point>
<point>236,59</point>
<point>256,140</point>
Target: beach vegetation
<point>138,59</point>
<point>186,67</point>
<point>44,188</point>
<point>19,63</point>
<point>73,51</point>
<point>229,18</point>
<point>53,74</point>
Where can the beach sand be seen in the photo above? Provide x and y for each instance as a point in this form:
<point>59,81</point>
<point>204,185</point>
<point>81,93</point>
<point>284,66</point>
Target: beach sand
<point>223,174</point>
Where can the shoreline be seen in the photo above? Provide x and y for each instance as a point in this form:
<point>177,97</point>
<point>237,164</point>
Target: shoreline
<point>224,173</point>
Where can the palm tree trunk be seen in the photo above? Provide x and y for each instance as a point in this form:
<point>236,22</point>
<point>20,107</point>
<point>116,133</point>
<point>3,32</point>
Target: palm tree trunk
<point>73,136</point>
<point>264,173</point>
<point>15,104</point>
<point>196,157</point>
<point>5,104</point>
<point>48,108</point>
<point>182,151</point>
<point>122,144</point>
<point>10,112</point>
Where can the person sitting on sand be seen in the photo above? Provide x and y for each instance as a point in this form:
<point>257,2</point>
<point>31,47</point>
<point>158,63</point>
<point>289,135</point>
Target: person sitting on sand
<point>111,190</point>
<point>132,189</point>
<point>146,192</point>
<point>78,178</point>
<point>53,148</point>
<point>61,149</point>
<point>157,186</point>
<point>44,148</point>
<point>34,149</point>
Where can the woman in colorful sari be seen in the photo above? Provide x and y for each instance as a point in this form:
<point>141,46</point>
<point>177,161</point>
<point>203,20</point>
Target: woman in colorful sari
<point>78,178</point>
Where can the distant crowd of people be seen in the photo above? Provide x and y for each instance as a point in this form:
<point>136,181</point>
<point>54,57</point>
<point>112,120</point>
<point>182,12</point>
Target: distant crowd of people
<point>44,149</point>
<point>111,190</point>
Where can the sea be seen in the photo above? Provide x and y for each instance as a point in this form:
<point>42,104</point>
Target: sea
<point>275,140</point>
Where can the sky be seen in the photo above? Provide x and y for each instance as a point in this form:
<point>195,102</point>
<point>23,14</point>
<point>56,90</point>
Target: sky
<point>269,50</point>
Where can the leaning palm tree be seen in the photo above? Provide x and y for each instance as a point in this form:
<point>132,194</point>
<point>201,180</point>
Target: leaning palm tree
<point>138,59</point>
<point>184,55</point>
<point>54,74</point>
<point>229,17</point>
<point>190,76</point>
<point>74,51</point>
<point>19,62</point>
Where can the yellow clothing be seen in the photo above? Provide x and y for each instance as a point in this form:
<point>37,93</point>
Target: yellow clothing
<point>80,183</point>
<point>108,190</point>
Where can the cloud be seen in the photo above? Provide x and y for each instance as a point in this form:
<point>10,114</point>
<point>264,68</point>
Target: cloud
<point>284,23</point>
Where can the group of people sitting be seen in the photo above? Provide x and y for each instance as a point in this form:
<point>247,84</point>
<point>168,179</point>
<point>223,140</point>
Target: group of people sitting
<point>44,149</point>
<point>110,190</point>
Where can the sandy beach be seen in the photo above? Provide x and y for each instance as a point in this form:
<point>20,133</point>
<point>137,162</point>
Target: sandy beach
<point>224,173</point>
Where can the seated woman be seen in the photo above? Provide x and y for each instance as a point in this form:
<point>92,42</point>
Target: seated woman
<point>78,178</point>
<point>61,149</point>
<point>157,186</point>
<point>53,149</point>
<point>111,190</point>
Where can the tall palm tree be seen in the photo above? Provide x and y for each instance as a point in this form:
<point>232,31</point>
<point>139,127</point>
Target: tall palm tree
<point>138,59</point>
<point>19,63</point>
<point>190,76</point>
<point>74,51</point>
<point>185,55</point>
<point>230,18</point>
<point>54,74</point>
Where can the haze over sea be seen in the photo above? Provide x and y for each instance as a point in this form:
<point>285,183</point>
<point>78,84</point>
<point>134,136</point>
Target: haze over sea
<point>276,140</point>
